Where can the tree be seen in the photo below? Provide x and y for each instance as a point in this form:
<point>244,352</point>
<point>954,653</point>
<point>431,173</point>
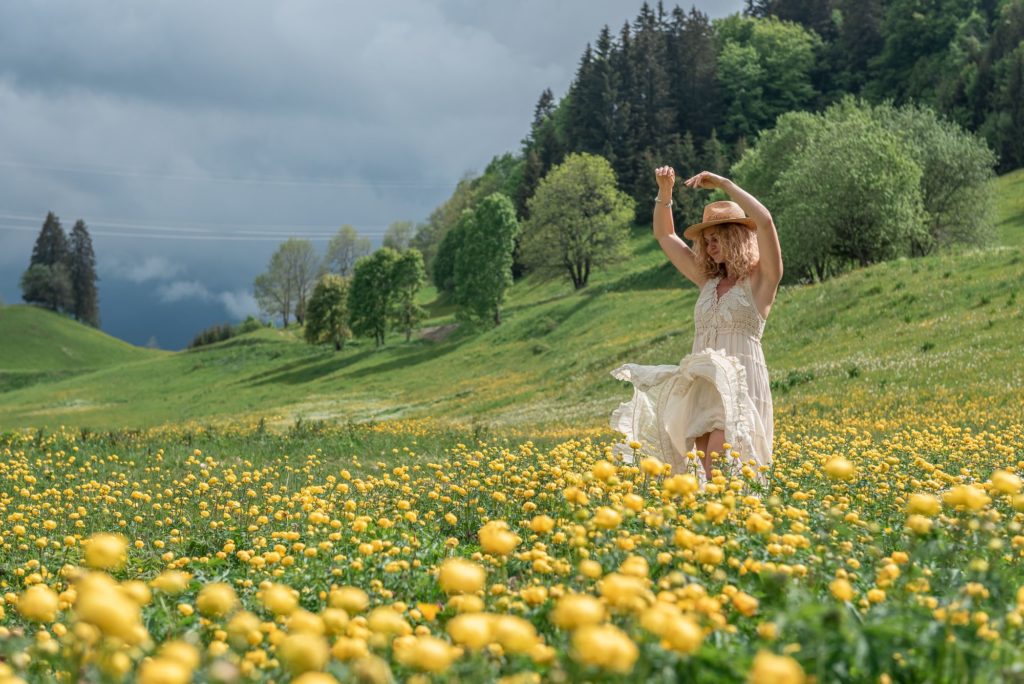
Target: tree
<point>398,235</point>
<point>443,273</point>
<point>407,279</point>
<point>48,286</point>
<point>860,191</point>
<point>327,313</point>
<point>371,294</point>
<point>47,281</point>
<point>344,249</point>
<point>852,196</point>
<point>302,268</point>
<point>579,219</point>
<point>284,288</point>
<point>764,70</point>
<point>84,299</point>
<point>483,265</point>
<point>956,179</point>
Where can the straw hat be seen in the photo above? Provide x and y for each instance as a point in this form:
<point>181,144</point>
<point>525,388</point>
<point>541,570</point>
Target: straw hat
<point>719,212</point>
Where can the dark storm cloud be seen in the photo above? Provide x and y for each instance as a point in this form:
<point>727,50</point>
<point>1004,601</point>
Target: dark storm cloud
<point>210,118</point>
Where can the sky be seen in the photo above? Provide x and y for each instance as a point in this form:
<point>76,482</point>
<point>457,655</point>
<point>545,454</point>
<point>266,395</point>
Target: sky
<point>193,137</point>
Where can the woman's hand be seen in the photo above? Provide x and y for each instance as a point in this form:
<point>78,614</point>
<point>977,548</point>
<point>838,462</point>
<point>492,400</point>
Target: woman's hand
<point>706,180</point>
<point>666,177</point>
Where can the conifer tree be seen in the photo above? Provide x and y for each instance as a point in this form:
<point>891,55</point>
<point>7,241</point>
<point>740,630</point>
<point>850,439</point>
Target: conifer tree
<point>47,281</point>
<point>85,304</point>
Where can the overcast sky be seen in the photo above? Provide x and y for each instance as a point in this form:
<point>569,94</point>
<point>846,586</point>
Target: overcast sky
<point>194,136</point>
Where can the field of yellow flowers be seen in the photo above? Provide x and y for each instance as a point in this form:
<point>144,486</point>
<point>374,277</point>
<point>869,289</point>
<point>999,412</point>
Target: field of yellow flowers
<point>886,547</point>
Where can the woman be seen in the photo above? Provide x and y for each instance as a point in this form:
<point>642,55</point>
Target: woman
<point>717,399</point>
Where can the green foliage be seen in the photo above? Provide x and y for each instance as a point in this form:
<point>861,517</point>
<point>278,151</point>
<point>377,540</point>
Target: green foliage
<point>764,69</point>
<point>856,200</point>
<point>956,176</point>
<point>85,304</point>
<point>407,277</point>
<point>821,170</point>
<point>578,221</point>
<point>213,334</point>
<point>371,294</point>
<point>398,235</point>
<point>285,287</point>
<point>344,249</point>
<point>443,273</point>
<point>47,281</point>
<point>327,313</point>
<point>48,285</point>
<point>483,263</point>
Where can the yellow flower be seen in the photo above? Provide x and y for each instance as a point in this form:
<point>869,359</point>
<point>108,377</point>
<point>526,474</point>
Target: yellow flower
<point>775,669</point>
<point>39,603</point>
<point>427,653</point>
<point>603,470</point>
<point>605,646</point>
<point>352,599</point>
<point>841,589</point>
<point>315,678</point>
<point>472,630</point>
<point>970,497</point>
<point>101,603</point>
<point>542,524</point>
<point>305,622</point>
<point>386,620</point>
<point>576,610</point>
<point>346,648</point>
<point>458,576</point>
<point>838,468</point>
<point>651,466</point>
<point>163,671</point>
<point>709,554</point>
<point>924,504</point>
<point>745,603</point>
<point>106,551</point>
<point>1005,482</point>
<point>683,634</point>
<point>171,581</point>
<point>303,652</point>
<point>918,524</point>
<point>495,537</point>
<point>182,652</point>
<point>216,600</point>
<point>244,630</point>
<point>279,599</point>
<point>607,518</point>
<point>515,634</point>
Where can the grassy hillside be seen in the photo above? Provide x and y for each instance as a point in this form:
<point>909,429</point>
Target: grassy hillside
<point>1010,208</point>
<point>896,332</point>
<point>37,345</point>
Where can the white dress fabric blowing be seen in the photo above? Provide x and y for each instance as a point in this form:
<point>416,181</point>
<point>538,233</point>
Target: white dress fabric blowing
<point>722,384</point>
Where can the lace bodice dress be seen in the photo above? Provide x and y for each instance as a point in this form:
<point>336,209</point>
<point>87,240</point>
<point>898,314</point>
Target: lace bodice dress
<point>721,384</point>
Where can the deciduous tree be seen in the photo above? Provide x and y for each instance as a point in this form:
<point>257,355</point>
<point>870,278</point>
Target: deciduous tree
<point>579,220</point>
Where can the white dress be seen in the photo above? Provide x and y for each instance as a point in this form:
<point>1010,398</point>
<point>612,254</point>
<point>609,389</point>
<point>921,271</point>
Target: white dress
<point>722,384</point>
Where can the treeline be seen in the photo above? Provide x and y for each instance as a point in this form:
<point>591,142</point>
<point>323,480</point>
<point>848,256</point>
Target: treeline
<point>675,87</point>
<point>61,275</point>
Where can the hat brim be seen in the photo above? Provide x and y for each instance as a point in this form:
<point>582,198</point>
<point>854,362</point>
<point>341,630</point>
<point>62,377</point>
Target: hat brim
<point>693,231</point>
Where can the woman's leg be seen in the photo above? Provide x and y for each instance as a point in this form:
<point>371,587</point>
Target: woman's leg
<point>715,440</point>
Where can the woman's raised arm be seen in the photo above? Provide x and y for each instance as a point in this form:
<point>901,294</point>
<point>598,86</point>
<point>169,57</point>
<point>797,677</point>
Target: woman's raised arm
<point>677,251</point>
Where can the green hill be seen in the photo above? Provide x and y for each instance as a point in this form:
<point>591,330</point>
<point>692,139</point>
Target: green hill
<point>37,345</point>
<point>895,332</point>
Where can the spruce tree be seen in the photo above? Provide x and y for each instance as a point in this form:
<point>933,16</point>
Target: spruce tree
<point>47,281</point>
<point>85,306</point>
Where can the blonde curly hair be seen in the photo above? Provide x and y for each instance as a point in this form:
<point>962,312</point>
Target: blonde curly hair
<point>739,246</point>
